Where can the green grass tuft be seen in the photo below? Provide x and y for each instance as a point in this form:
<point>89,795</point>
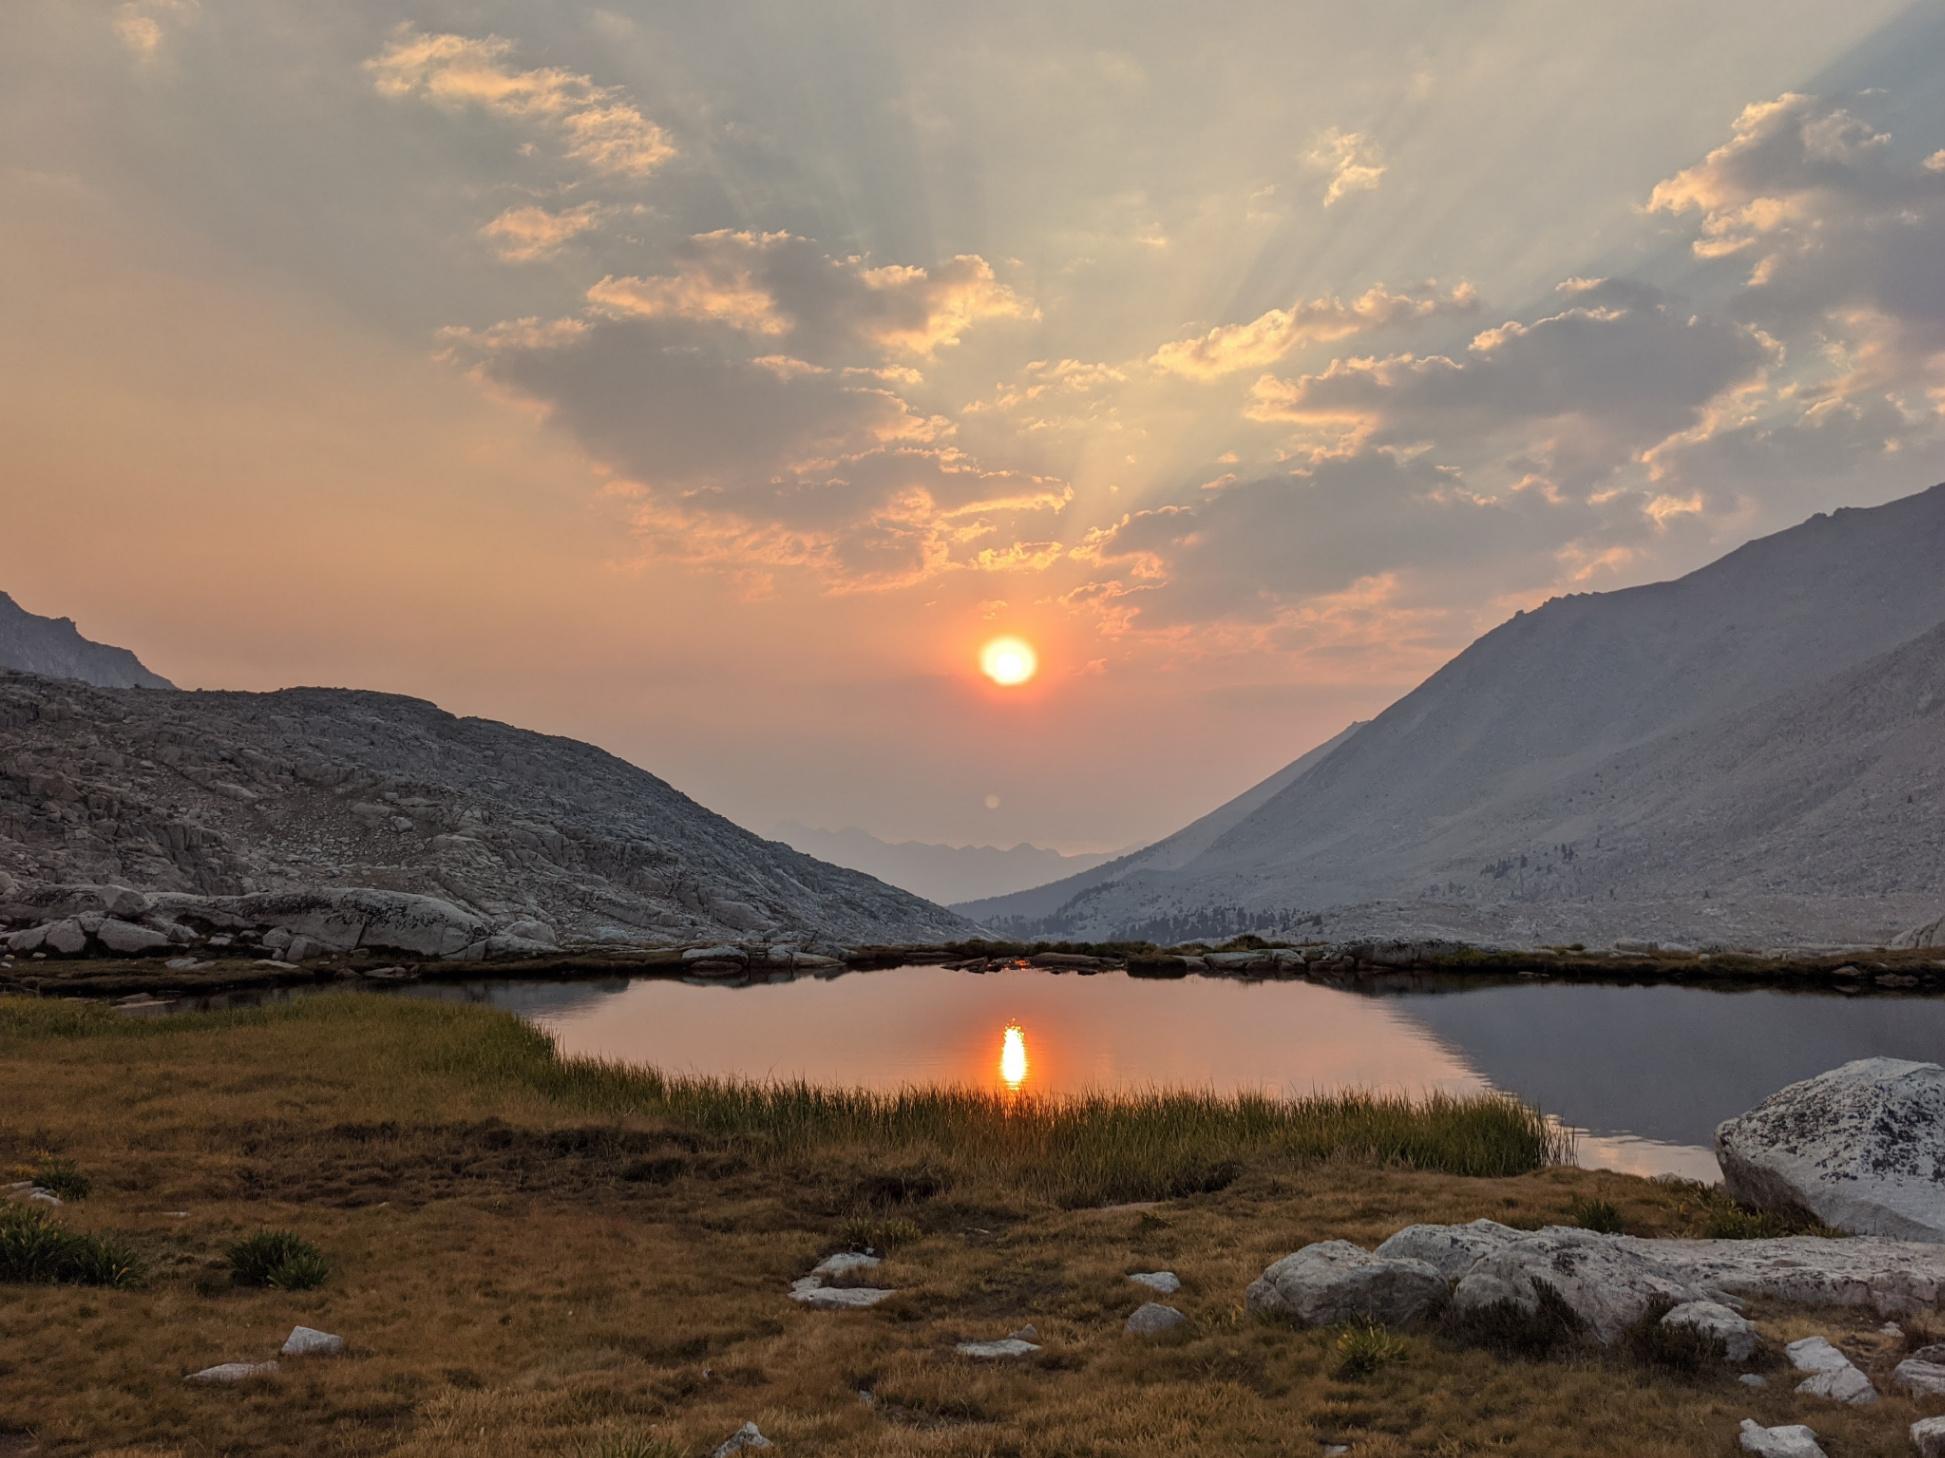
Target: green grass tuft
<point>1364,1348</point>
<point>279,1260</point>
<point>36,1248</point>
<point>1601,1216</point>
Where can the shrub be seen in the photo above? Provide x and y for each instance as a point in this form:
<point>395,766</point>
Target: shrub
<point>278,1259</point>
<point>1512,1330</point>
<point>1711,1213</point>
<point>1602,1216</point>
<point>61,1177</point>
<point>1678,1349</point>
<point>35,1247</point>
<point>1365,1347</point>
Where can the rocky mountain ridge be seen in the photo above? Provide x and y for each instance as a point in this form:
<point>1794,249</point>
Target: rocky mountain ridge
<point>209,797</point>
<point>55,648</point>
<point>1744,755</point>
<point>942,873</point>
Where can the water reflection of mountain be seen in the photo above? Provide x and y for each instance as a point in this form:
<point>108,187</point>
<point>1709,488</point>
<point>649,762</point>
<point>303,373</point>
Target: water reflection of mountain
<point>1663,1062</point>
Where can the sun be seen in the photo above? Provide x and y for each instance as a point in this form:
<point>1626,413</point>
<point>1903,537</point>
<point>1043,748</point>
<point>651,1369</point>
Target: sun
<point>1009,661</point>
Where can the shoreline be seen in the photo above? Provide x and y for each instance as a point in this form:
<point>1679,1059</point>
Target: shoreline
<point>1366,965</point>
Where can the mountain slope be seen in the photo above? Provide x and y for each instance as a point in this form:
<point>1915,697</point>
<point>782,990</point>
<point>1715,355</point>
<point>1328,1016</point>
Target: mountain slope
<point>1638,744</point>
<point>1179,849</point>
<point>54,648</point>
<point>942,873</point>
<point>225,793</point>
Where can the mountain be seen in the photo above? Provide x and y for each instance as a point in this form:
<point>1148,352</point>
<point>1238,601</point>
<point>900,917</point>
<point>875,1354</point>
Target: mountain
<point>942,873</point>
<point>222,794</point>
<point>53,647</point>
<point>1748,752</point>
<point>1177,850</point>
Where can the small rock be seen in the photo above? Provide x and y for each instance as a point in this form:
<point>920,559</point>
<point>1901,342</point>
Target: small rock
<point>306,1341</point>
<point>1928,1437</point>
<point>1935,1354</point>
<point>747,1436</point>
<point>1164,1283</point>
<point>844,1263</point>
<point>232,1372</point>
<point>1794,1441</point>
<point>1753,1379</point>
<point>812,1292</point>
<point>1712,1319</point>
<point>1027,1333</point>
<point>1151,1318</point>
<point>990,1351</point>
<point>1832,1374</point>
<point>1920,1379</point>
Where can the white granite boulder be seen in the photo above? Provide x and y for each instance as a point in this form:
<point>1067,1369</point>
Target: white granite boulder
<point>307,1341</point>
<point>229,1373</point>
<point>1335,1281</point>
<point>1919,1378</point>
<point>1861,1147</point>
<point>1928,1437</point>
<point>1794,1441</point>
<point>994,1351</point>
<point>1832,1375</point>
<point>744,1438</point>
<point>1162,1283</point>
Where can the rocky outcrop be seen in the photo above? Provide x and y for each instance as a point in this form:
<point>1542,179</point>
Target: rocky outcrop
<point>1791,1441</point>
<point>1931,934</point>
<point>227,801</point>
<point>1608,1282</point>
<point>54,648</point>
<point>1861,1148</point>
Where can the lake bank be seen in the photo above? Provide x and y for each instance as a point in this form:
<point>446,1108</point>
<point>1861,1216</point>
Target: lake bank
<point>548,1257</point>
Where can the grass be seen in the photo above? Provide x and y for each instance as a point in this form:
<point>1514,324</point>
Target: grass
<point>37,1248</point>
<point>279,1259</point>
<point>1602,1216</point>
<point>533,1256</point>
<point>61,1177</point>
<point>1712,1214</point>
<point>1365,1348</point>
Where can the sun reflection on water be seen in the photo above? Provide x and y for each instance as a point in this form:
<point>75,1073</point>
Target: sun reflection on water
<point>1013,1057</point>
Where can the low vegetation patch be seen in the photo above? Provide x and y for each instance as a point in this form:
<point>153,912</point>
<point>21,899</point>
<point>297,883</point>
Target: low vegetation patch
<point>1601,1216</point>
<point>61,1177</point>
<point>279,1260</point>
<point>1683,1350</point>
<point>1713,1214</point>
<point>1512,1329</point>
<point>1364,1348</point>
<point>37,1248</point>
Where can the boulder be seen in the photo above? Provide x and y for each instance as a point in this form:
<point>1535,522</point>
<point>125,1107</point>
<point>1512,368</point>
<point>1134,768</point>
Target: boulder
<point>530,930</point>
<point>1151,1318</point>
<point>1931,934</point>
<point>65,937</point>
<point>1832,1374</point>
<point>306,1341</point>
<point>128,938</point>
<point>1861,1147</point>
<point>995,1351</point>
<point>1729,1329</point>
<point>1920,1379</point>
<point>1335,1281</point>
<point>812,1292</point>
<point>1794,1441</point>
<point>746,1437</point>
<point>716,954</point>
<point>845,1263</point>
<point>1928,1437</point>
<point>1163,1283</point>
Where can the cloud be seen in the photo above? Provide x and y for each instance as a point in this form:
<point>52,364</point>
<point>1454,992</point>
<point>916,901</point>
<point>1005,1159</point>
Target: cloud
<point>1838,232</point>
<point>779,284</point>
<point>595,125</point>
<point>1610,376</point>
<point>1272,335</point>
<point>1254,551</point>
<point>528,234</point>
<point>1354,162</point>
<point>143,25</point>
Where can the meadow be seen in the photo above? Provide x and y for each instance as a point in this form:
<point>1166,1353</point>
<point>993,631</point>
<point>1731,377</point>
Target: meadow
<point>534,1254</point>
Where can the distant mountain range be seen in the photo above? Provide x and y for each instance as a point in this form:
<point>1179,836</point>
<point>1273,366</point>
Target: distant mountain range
<point>30,643</point>
<point>1753,752</point>
<point>942,873</point>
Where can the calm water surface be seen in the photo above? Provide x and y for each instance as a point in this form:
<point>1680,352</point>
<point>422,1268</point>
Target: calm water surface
<point>1644,1073</point>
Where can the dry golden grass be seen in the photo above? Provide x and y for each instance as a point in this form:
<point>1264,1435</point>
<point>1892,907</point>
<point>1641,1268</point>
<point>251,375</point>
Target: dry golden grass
<point>524,1263</point>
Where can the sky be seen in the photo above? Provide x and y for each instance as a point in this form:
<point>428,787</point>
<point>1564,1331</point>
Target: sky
<point>710,382</point>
